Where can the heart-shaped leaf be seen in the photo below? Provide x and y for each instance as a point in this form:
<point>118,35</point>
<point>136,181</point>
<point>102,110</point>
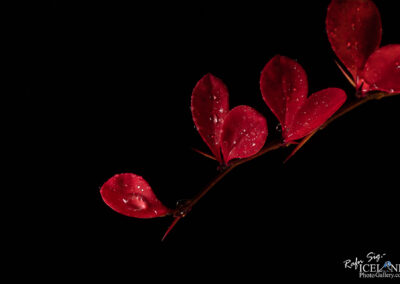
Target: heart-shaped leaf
<point>210,105</point>
<point>131,195</point>
<point>382,70</point>
<point>284,88</point>
<point>244,133</point>
<point>354,30</point>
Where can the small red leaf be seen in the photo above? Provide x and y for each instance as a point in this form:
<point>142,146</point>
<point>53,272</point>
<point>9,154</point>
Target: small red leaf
<point>131,195</point>
<point>315,111</point>
<point>284,88</point>
<point>244,133</point>
<point>382,70</point>
<point>354,30</point>
<point>210,105</point>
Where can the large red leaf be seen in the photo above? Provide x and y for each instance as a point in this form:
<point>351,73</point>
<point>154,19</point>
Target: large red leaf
<point>354,30</point>
<point>210,105</point>
<point>244,133</point>
<point>284,88</point>
<point>315,111</point>
<point>382,70</point>
<point>131,195</point>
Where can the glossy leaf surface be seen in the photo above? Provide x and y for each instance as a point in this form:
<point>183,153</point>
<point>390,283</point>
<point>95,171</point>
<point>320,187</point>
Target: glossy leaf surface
<point>284,88</point>
<point>382,70</point>
<point>317,109</point>
<point>354,30</point>
<point>244,133</point>
<point>210,105</point>
<point>131,195</point>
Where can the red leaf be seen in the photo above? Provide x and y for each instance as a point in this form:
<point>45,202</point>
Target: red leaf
<point>210,105</point>
<point>354,30</point>
<point>244,133</point>
<point>382,70</point>
<point>315,111</point>
<point>284,88</point>
<point>131,195</point>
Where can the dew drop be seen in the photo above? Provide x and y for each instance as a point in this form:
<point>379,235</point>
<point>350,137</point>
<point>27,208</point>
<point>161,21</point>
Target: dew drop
<point>277,128</point>
<point>391,91</point>
<point>348,44</point>
<point>353,27</point>
<point>221,110</point>
<point>136,202</point>
<point>254,144</point>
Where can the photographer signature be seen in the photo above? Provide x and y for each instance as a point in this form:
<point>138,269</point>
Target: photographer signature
<point>371,256</point>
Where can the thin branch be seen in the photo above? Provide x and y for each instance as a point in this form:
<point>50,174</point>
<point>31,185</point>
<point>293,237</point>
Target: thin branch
<point>274,145</point>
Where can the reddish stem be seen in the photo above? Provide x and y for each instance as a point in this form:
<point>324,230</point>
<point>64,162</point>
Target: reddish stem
<point>274,145</point>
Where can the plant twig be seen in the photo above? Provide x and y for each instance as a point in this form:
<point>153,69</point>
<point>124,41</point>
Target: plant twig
<point>274,145</point>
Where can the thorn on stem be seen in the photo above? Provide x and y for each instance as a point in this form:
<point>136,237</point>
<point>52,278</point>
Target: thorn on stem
<point>301,144</point>
<point>346,75</point>
<point>170,227</point>
<point>203,154</point>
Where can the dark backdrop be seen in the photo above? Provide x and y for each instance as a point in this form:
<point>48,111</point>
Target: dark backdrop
<point>108,88</point>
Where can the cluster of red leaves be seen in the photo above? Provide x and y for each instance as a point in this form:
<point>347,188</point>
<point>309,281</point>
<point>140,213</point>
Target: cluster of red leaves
<point>354,30</point>
<point>238,133</point>
<point>284,88</point>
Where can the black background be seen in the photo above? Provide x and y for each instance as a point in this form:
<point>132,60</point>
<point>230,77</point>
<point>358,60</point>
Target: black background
<point>106,89</point>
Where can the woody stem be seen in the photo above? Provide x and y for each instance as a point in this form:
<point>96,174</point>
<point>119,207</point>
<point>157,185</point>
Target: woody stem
<point>274,145</point>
